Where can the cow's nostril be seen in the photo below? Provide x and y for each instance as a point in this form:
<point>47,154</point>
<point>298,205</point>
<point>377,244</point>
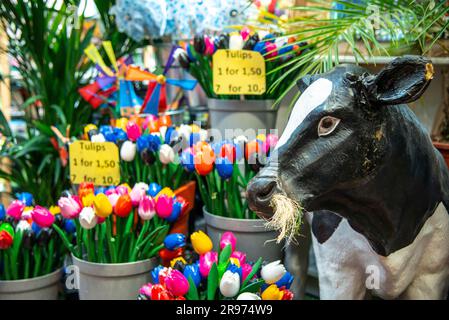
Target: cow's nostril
<point>266,191</point>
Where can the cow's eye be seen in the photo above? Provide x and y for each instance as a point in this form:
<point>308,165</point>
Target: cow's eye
<point>327,125</point>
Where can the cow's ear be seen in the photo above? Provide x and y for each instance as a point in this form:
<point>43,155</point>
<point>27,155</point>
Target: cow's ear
<point>304,82</point>
<point>401,81</point>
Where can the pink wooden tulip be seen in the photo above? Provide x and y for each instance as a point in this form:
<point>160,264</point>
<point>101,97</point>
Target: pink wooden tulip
<point>164,206</point>
<point>137,194</point>
<point>122,190</point>
<point>113,197</point>
<point>146,290</point>
<point>245,33</point>
<point>70,207</point>
<point>42,217</point>
<point>240,256</point>
<point>15,209</point>
<point>246,269</point>
<point>148,120</point>
<point>206,262</point>
<point>133,130</point>
<point>146,209</point>
<point>176,283</point>
<point>270,47</point>
<point>270,142</point>
<point>228,238</point>
<point>210,48</point>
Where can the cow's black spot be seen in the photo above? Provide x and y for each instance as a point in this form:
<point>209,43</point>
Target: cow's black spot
<point>324,223</point>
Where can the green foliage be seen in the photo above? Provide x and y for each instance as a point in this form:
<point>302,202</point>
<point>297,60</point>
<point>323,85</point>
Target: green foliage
<point>48,44</point>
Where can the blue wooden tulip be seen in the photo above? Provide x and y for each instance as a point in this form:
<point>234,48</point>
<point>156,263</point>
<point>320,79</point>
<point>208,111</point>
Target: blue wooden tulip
<point>224,167</point>
<point>35,228</point>
<point>174,241</point>
<point>154,143</point>
<point>187,161</point>
<point>176,211</point>
<point>153,189</point>
<point>155,274</point>
<point>105,129</point>
<point>100,190</point>
<point>69,226</point>
<point>110,137</point>
<point>142,143</point>
<point>2,212</point>
<point>26,198</point>
<point>194,138</point>
<point>286,281</point>
<point>193,271</point>
<point>120,135</point>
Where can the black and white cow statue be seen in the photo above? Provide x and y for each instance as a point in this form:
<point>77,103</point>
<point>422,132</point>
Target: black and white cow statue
<point>352,146</point>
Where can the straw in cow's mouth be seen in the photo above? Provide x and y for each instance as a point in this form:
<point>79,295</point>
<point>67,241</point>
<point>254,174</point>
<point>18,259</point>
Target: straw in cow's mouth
<point>287,218</point>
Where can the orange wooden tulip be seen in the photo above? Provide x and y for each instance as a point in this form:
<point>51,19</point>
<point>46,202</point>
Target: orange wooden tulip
<point>153,126</point>
<point>124,206</point>
<point>204,162</point>
<point>165,121</point>
<point>251,147</point>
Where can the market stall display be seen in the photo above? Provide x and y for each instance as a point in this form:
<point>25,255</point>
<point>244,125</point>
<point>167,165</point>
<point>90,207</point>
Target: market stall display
<point>222,275</point>
<point>31,254</point>
<point>119,232</point>
<point>222,171</point>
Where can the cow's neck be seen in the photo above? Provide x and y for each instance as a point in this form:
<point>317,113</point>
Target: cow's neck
<point>391,207</point>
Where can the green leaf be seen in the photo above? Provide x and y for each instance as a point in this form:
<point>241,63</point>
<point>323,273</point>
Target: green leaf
<point>253,287</point>
<point>254,270</point>
<point>225,254</point>
<point>192,294</point>
<point>212,282</point>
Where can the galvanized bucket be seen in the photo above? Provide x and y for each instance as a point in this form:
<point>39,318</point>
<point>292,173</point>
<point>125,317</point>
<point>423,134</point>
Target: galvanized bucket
<point>39,288</point>
<point>242,114</point>
<point>112,281</point>
<point>253,238</point>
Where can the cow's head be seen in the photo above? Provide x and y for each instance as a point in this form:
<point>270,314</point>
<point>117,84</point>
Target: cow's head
<point>337,135</point>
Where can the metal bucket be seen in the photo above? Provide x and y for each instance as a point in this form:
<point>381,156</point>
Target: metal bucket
<point>112,281</point>
<point>252,236</point>
<point>39,288</point>
<point>242,114</point>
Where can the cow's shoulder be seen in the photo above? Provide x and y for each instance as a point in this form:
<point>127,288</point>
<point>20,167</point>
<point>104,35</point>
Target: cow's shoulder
<point>324,224</point>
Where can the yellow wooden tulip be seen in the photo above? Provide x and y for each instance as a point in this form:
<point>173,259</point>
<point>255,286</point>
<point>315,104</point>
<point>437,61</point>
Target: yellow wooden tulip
<point>261,137</point>
<point>121,123</point>
<point>201,242</point>
<point>272,293</point>
<point>167,191</point>
<point>54,210</point>
<point>103,207</point>
<point>88,200</point>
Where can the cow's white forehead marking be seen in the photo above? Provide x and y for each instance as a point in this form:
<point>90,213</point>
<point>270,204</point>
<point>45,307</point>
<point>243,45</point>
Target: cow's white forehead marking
<point>315,95</point>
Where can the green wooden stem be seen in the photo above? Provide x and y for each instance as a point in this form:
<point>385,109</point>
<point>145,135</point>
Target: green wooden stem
<point>110,241</point>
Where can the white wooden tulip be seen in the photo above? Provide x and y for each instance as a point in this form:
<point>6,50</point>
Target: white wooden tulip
<point>166,154</point>
<point>23,225</point>
<point>98,138</point>
<point>236,42</point>
<point>273,272</point>
<point>128,151</point>
<point>230,284</point>
<point>87,218</point>
<point>248,296</point>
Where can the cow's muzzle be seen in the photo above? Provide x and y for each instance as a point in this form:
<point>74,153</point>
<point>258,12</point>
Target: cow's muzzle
<point>260,191</point>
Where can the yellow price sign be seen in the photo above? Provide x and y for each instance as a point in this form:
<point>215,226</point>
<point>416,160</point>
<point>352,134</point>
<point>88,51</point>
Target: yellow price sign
<point>238,72</point>
<point>96,162</point>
